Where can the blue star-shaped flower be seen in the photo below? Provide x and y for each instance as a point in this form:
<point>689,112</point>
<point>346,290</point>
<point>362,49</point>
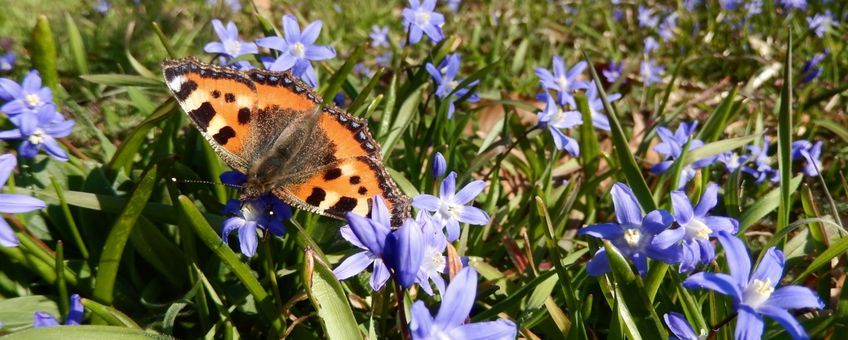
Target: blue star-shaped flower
<point>298,49</point>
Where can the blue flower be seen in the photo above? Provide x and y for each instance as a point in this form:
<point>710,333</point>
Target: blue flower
<point>11,203</point>
<point>233,5</point>
<point>26,102</point>
<point>440,165</point>
<point>450,207</point>
<point>379,36</point>
<point>696,227</point>
<point>763,163</point>
<point>7,61</point>
<point>754,293</point>
<point>420,18</point>
<point>646,17</point>
<point>617,14</point>
<point>445,77</point>
<point>811,69</point>
<point>681,329</point>
<point>666,30</point>
<point>453,5</point>
<point>635,234</point>
<point>433,263</point>
<point>596,107</point>
<point>691,4</point>
<point>753,7</point>
<point>74,317</point>
<point>298,49</point>
<point>384,59</point>
<point>820,23</point>
<point>613,71</point>
<point>650,72</point>
<point>671,149</point>
<point>449,322</point>
<point>561,81</point>
<point>731,160</point>
<point>102,6</point>
<point>49,125</point>
<point>230,45</point>
<point>794,4</point>
<point>728,5</point>
<point>339,99</point>
<point>363,70</point>
<point>265,212</point>
<point>811,153</point>
<point>555,117</point>
<point>383,249</point>
<point>650,44</point>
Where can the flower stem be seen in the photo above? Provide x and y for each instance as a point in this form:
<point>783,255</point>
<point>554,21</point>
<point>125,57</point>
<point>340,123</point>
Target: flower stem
<point>272,275</point>
<point>404,325</point>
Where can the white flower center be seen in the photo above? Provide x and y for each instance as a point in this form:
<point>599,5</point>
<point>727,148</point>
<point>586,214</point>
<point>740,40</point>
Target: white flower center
<point>33,100</point>
<point>452,85</point>
<point>249,212</point>
<point>233,47</point>
<point>5,65</point>
<point>562,81</point>
<point>697,230</point>
<point>559,117</point>
<point>733,162</point>
<point>433,261</point>
<point>422,17</point>
<point>449,210</point>
<point>298,50</point>
<point>37,136</point>
<point>757,293</point>
<point>632,237</point>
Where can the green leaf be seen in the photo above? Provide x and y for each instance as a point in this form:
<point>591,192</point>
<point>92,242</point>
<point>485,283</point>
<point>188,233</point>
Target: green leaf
<point>632,294</point>
<point>836,249</point>
<point>402,120</point>
<point>110,315</point>
<point>765,205</point>
<point>329,299</point>
<point>784,139</point>
<point>363,95</point>
<point>213,241</point>
<point>119,234</point>
<point>85,332</point>
<point>16,313</point>
<point>717,120</point>
<point>632,172</point>
<point>129,148</point>
<point>834,127</point>
<point>120,80</point>
<point>716,148</point>
<point>76,44</point>
<point>335,82</point>
<point>43,54</point>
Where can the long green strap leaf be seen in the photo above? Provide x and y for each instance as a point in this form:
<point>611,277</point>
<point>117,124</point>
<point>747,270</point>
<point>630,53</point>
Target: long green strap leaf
<point>784,139</point>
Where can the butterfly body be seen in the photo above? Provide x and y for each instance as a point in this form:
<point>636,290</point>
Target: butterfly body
<point>272,127</point>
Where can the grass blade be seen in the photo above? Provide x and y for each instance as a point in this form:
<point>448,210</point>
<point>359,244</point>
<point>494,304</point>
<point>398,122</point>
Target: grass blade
<point>784,140</point>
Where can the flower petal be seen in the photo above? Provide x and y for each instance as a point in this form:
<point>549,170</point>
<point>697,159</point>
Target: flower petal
<point>679,326</point>
<point>501,329</point>
<point>448,187</point>
<point>367,233</point>
<point>739,261</point>
<point>75,313</point>
<point>770,267</point>
<point>7,165</point>
<point>319,53</point>
<point>472,215</point>
<point>599,264</point>
<point>627,208</point>
<point>785,319</point>
<point>469,192</point>
<point>347,234</point>
<point>668,237</point>
<point>458,299</point>
<point>426,202</point>
<point>291,30</point>
<point>681,207</point>
<point>15,204</point>
<point>380,275</point>
<point>52,147</point>
<point>609,231</point>
<point>248,240</point>
<point>794,297</point>
<point>380,212</point>
<point>656,221</point>
<point>421,322</point>
<point>717,282</point>
<point>708,201</point>
<point>41,319</point>
<point>452,228</point>
<point>311,32</point>
<point>273,42</point>
<point>405,251</point>
<point>721,223</point>
<point>352,265</point>
<point>749,324</point>
<point>7,235</point>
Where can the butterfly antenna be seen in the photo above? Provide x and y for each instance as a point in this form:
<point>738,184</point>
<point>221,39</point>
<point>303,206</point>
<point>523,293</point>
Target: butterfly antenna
<point>195,181</point>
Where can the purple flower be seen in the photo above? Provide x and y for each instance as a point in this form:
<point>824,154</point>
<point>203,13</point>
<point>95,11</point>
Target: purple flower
<point>449,322</point>
<point>617,14</point>
<point>420,18</point>
<point>613,71</point>
<point>339,99</point>
<point>433,263</point>
<point>731,160</point>
<point>561,81</point>
<point>230,45</point>
<point>650,44</point>
<point>811,153</point>
<point>11,203</point>
<point>754,293</point>
<point>671,148</point>
<point>555,117</point>
<point>753,7</point>
<point>383,249</point>
<point>650,72</point>
<point>450,207</point>
<point>102,6</point>
<point>666,30</point>
<point>728,5</point>
<point>794,4</point>
<point>646,17</point>
<point>26,102</point>
<point>74,317</point>
<point>265,212</point>
<point>596,107</point>
<point>681,329</point>
<point>691,4</point>
<point>384,59</point>
<point>363,70</point>
<point>440,165</point>
<point>696,227</point>
<point>453,5</point>
<point>233,5</point>
<point>637,236</point>
<point>379,36</point>
<point>49,125</point>
<point>811,69</point>
<point>7,61</point>
<point>298,49</point>
<point>763,163</point>
<point>445,77</point>
<point>820,23</point>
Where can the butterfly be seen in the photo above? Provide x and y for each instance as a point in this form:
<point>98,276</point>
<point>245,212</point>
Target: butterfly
<point>272,127</point>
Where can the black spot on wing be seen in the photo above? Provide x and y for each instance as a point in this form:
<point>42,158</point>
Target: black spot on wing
<point>344,204</point>
<point>354,179</point>
<point>362,190</point>
<point>243,115</point>
<point>186,89</point>
<point>316,197</point>
<point>216,94</point>
<point>229,98</point>
<point>224,135</point>
<point>332,174</point>
<point>202,115</point>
